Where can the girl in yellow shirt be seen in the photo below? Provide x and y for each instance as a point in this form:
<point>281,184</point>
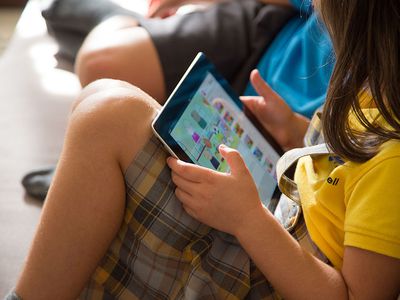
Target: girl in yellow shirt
<point>352,210</point>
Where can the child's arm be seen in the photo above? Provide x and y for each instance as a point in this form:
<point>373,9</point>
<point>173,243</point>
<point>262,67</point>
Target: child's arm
<point>296,274</point>
<point>370,275</point>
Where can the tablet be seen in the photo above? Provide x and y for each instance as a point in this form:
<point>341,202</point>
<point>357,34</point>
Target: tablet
<point>203,112</point>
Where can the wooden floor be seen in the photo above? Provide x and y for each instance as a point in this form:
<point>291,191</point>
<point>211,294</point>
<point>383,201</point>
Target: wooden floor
<point>8,20</point>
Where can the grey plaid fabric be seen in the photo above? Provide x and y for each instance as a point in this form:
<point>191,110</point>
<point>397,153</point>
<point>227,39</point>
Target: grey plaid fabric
<point>161,252</point>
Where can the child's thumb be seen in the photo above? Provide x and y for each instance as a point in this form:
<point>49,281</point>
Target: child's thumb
<point>233,158</point>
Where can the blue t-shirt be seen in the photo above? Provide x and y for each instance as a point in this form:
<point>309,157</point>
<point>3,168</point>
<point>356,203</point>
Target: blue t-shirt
<point>299,62</point>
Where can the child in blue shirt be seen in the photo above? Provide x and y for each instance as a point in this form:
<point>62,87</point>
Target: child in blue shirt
<point>299,62</point>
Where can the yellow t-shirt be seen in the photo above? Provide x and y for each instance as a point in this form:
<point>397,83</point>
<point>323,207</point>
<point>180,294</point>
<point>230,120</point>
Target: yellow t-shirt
<point>353,204</point>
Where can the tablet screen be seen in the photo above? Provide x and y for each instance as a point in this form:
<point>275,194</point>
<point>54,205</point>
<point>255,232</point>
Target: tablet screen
<point>211,116</point>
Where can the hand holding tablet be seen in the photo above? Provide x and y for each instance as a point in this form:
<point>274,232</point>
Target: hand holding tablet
<point>202,113</point>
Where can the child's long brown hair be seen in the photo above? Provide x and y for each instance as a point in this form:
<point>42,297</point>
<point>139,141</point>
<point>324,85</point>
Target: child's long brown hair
<point>366,39</point>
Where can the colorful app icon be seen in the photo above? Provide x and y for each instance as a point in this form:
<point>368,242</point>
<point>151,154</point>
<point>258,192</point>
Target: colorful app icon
<point>195,137</point>
<point>205,101</point>
<point>215,162</point>
<point>248,141</point>
<point>228,118</point>
<point>258,154</point>
<point>207,142</point>
<point>202,123</point>
<point>269,165</point>
<point>239,130</point>
<point>219,106</point>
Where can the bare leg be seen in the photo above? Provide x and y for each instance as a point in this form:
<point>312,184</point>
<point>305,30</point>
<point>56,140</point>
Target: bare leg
<point>119,49</point>
<point>85,204</point>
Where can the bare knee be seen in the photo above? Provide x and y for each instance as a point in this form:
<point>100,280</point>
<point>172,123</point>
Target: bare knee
<point>113,117</point>
<point>114,101</point>
<point>99,86</point>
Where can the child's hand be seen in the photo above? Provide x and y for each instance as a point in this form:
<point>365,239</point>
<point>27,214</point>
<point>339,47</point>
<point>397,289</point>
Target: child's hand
<point>163,8</point>
<point>220,200</point>
<point>287,127</point>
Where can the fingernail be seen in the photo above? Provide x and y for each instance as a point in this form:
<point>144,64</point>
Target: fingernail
<point>180,162</point>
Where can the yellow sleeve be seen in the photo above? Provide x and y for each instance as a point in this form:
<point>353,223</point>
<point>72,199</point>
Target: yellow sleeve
<point>372,220</point>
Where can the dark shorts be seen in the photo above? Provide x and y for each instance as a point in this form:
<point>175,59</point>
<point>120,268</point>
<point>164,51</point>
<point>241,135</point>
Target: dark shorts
<point>233,34</point>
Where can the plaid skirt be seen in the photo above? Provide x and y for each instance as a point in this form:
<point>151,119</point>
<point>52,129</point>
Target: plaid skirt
<point>160,252</point>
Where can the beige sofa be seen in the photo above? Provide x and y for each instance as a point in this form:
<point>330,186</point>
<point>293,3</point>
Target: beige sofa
<point>35,99</point>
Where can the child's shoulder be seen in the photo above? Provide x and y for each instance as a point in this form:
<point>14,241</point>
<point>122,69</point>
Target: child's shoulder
<point>389,150</point>
<point>389,155</point>
<point>381,168</point>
